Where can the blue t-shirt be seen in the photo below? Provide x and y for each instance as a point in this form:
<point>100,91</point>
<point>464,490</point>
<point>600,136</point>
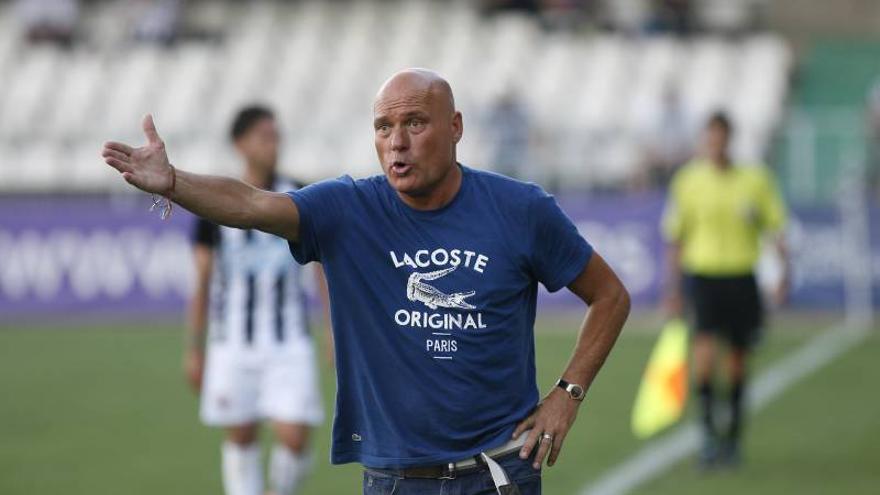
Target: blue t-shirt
<point>433,311</point>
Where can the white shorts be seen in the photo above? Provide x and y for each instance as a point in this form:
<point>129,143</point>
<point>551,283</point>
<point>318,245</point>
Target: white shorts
<point>244,387</point>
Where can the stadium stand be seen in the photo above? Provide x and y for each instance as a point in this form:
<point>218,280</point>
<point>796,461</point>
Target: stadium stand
<point>589,96</point>
<point>827,132</point>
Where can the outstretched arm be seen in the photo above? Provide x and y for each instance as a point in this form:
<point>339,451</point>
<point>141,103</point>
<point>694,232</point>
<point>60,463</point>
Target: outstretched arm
<point>221,200</point>
<point>599,287</point>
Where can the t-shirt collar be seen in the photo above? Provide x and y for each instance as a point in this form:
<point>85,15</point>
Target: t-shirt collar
<point>465,181</point>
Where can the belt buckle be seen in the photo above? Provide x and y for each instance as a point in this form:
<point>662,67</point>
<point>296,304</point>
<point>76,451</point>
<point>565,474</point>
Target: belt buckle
<point>449,472</point>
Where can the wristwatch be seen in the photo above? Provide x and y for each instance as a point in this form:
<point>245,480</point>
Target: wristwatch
<point>574,390</point>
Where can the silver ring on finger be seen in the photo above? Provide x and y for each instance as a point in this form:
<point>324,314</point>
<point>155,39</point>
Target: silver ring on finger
<point>547,436</point>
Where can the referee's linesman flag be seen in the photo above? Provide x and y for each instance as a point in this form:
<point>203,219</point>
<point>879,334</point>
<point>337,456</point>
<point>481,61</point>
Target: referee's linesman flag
<point>663,391</point>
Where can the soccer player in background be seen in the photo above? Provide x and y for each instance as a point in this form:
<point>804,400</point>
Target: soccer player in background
<point>716,215</point>
<point>259,361</point>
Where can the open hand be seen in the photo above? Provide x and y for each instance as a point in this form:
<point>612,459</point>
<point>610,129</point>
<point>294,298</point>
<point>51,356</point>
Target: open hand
<point>147,167</point>
<point>554,417</point>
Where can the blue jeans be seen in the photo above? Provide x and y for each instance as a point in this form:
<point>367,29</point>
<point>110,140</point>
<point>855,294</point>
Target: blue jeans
<point>477,482</point>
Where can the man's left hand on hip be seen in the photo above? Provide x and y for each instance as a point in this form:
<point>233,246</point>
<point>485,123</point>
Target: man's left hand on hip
<point>549,424</point>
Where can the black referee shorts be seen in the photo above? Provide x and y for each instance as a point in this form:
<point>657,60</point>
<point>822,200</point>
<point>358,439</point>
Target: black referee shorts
<point>728,307</point>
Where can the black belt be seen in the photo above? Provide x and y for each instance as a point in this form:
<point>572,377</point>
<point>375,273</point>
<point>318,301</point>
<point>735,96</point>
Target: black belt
<point>439,471</point>
<point>463,466</point>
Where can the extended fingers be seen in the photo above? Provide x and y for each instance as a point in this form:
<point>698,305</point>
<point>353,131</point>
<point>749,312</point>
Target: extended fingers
<point>543,448</point>
<point>523,426</point>
<point>111,153</point>
<point>117,155</point>
<point>120,147</point>
<point>531,440</point>
<point>119,165</point>
<point>555,449</point>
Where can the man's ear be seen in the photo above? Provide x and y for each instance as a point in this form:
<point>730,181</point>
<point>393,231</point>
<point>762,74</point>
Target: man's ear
<point>457,127</point>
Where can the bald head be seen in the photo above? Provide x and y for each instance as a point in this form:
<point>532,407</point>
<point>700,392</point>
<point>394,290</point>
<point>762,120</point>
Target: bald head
<point>416,131</point>
<point>416,82</point>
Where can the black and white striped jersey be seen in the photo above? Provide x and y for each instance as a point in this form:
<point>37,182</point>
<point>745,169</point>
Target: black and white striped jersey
<point>257,299</point>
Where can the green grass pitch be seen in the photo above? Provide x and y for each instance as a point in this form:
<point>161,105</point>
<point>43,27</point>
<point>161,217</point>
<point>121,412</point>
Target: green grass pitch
<point>105,409</point>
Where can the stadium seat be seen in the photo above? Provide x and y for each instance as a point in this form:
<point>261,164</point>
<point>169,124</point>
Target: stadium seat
<point>588,96</point>
<point>25,95</point>
<point>187,93</point>
<point>85,171</point>
<point>82,73</point>
<point>707,78</point>
<point>133,83</point>
<point>37,165</point>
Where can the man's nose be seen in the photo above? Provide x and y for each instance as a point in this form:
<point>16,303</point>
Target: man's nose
<point>399,139</point>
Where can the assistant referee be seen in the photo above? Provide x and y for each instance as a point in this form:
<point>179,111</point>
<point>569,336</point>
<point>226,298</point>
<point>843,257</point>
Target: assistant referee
<point>717,213</point>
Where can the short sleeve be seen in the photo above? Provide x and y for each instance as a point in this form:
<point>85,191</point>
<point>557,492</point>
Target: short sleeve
<point>772,207</point>
<point>205,233</point>
<point>558,252</point>
<point>321,208</point>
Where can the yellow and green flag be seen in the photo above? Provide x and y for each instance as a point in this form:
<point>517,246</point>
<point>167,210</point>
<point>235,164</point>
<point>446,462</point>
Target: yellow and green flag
<point>663,393</point>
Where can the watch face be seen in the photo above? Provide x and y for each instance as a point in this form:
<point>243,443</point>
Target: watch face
<point>577,392</point>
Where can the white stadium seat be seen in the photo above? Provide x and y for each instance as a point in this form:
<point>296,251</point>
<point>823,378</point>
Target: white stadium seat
<point>75,100</point>
<point>318,64</point>
<point>25,103</point>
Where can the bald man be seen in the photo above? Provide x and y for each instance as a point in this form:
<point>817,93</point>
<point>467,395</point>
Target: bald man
<point>433,270</point>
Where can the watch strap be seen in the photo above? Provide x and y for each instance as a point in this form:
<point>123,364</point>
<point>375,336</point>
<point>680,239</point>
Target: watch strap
<point>568,387</point>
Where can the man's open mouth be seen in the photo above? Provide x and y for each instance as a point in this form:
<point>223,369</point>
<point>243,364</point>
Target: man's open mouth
<point>400,167</point>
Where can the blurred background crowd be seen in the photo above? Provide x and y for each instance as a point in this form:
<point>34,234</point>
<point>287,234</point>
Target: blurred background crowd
<point>586,95</point>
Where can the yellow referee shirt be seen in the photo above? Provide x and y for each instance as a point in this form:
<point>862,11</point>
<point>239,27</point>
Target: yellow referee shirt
<point>717,216</point>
